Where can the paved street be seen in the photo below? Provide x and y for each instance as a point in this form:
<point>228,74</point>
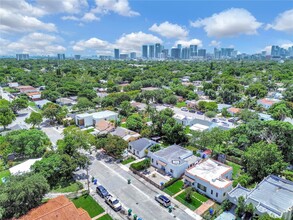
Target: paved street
<point>139,195</point>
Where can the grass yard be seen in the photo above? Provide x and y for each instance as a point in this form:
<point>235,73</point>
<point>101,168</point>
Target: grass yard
<point>128,160</point>
<point>187,130</point>
<point>174,188</point>
<point>200,197</point>
<point>72,187</point>
<point>194,204</point>
<point>4,173</point>
<point>180,104</point>
<point>236,169</point>
<point>34,106</point>
<point>89,204</point>
<point>123,125</point>
<point>105,217</point>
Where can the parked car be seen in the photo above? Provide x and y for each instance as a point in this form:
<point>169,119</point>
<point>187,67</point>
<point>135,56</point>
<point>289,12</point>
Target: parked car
<point>184,109</point>
<point>192,111</point>
<point>222,119</point>
<point>102,191</point>
<point>199,113</point>
<point>113,203</point>
<point>215,120</point>
<point>225,124</point>
<point>163,200</point>
<point>232,120</point>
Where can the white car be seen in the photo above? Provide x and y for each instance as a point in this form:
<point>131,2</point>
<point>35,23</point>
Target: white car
<point>163,200</point>
<point>113,203</point>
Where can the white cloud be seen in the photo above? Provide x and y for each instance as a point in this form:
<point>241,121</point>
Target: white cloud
<point>287,45</point>
<point>64,6</point>
<point>16,22</point>
<point>283,22</point>
<point>70,17</point>
<point>90,17</point>
<point>169,30</point>
<point>215,43</point>
<point>229,23</point>
<point>34,43</point>
<point>187,43</point>
<point>134,41</point>
<point>93,45</point>
<point>21,7</point>
<point>120,7</point>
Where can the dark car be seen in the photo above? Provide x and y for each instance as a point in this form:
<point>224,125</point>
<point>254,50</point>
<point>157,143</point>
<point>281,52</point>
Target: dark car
<point>192,110</point>
<point>199,113</point>
<point>102,191</point>
<point>232,120</point>
<point>215,120</point>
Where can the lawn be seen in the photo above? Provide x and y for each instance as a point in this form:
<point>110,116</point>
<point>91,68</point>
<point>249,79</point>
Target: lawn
<point>105,217</point>
<point>194,204</point>
<point>123,125</point>
<point>72,187</point>
<point>34,106</point>
<point>174,188</point>
<point>4,173</point>
<point>128,160</point>
<point>200,197</point>
<point>187,130</point>
<point>180,104</point>
<point>89,204</point>
<point>236,169</point>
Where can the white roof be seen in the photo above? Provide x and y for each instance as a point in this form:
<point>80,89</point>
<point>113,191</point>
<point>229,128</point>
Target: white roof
<point>179,116</point>
<point>211,171</point>
<point>102,114</point>
<point>198,127</point>
<point>23,167</point>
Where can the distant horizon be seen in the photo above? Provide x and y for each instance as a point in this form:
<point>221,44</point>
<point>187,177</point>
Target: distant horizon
<point>97,27</point>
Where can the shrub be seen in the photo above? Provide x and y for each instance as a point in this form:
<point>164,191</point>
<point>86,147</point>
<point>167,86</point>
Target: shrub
<point>171,181</point>
<point>146,163</point>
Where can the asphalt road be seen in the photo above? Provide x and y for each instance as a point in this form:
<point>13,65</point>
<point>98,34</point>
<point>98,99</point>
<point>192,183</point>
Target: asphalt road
<point>139,195</point>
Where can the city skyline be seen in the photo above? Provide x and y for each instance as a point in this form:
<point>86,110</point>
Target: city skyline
<point>97,27</point>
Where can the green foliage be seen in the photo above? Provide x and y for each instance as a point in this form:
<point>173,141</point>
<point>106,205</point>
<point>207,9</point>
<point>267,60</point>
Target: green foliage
<point>113,145</point>
<point>268,217</point>
<point>225,113</point>
<point>144,164</point>
<point>262,159</point>
<point>281,110</point>
<point>21,193</point>
<point>18,104</point>
<point>210,114</point>
<point>51,110</point>
<point>128,160</point>
<point>6,116</point>
<point>134,122</point>
<point>155,148</point>
<point>188,193</point>
<point>227,205</point>
<point>240,206</point>
<point>256,89</point>
<point>207,106</point>
<point>288,94</point>
<point>34,119</point>
<point>125,108</point>
<point>84,103</point>
<point>247,115</point>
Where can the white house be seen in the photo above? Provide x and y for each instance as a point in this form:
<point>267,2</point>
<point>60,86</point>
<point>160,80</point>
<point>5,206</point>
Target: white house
<point>90,119</point>
<point>138,147</point>
<point>184,120</point>
<point>13,84</point>
<point>273,195</point>
<point>173,160</point>
<point>211,178</point>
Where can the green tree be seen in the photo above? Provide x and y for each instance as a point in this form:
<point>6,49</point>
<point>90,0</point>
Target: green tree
<point>125,108</point>
<point>288,94</point>
<point>210,114</point>
<point>256,89</point>
<point>281,110</point>
<point>240,206</point>
<point>268,217</point>
<point>83,103</point>
<point>262,159</point>
<point>51,110</point>
<point>51,95</point>
<point>134,122</point>
<point>247,115</point>
<point>188,194</point>
<point>21,193</point>
<point>18,104</point>
<point>6,116</point>
<point>113,145</point>
<point>34,119</point>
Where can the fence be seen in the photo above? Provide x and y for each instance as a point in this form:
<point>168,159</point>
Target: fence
<point>147,179</point>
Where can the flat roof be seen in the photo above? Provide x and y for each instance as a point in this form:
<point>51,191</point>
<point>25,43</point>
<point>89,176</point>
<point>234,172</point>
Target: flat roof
<point>174,154</point>
<point>23,167</point>
<point>102,114</point>
<point>198,127</point>
<point>211,171</point>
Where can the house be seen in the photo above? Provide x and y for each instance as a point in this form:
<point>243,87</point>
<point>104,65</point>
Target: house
<point>60,208</point>
<point>211,178</point>
<point>222,106</point>
<point>150,88</point>
<point>199,127</point>
<point>266,103</point>
<point>182,119</point>
<point>126,134</point>
<point>191,103</point>
<point>13,84</point>
<point>26,89</point>
<point>138,105</point>
<point>264,117</point>
<point>205,153</point>
<point>234,111</point>
<point>23,167</point>
<point>273,195</point>
<point>34,96</point>
<point>138,147</point>
<point>41,103</point>
<point>90,119</point>
<point>173,160</point>
<point>104,127</point>
<point>65,101</point>
<point>202,125</point>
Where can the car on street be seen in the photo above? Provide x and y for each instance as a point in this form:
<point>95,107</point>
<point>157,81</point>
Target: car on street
<point>184,109</point>
<point>192,111</point>
<point>199,113</point>
<point>163,200</point>
<point>102,191</point>
<point>225,124</point>
<point>232,120</point>
<point>215,120</point>
<point>113,203</point>
<point>222,119</point>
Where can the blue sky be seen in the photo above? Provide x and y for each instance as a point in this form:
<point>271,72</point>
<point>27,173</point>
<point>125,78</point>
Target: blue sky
<point>96,27</point>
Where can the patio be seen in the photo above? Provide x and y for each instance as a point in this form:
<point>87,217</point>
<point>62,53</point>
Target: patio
<point>155,176</point>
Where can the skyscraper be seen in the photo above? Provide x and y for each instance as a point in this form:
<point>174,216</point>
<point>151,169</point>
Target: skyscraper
<point>185,53</point>
<point>61,56</point>
<point>132,55</point>
<point>193,51</point>
<point>165,53</point>
<point>202,53</point>
<point>151,51</point>
<point>116,54</point>
<point>22,56</point>
<point>77,57</point>
<point>158,50</point>
<point>175,53</point>
<point>145,51</point>
<point>275,51</point>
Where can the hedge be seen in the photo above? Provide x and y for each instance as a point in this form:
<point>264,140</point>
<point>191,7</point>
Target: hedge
<point>146,163</point>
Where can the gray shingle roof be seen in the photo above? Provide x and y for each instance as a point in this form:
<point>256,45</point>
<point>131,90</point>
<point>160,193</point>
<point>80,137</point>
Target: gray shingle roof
<point>142,144</point>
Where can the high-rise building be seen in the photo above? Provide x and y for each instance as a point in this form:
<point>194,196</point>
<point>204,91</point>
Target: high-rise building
<point>193,50</point>
<point>124,56</point>
<point>179,47</point>
<point>77,57</point>
<point>202,53</point>
<point>165,53</point>
<point>217,53</point>
<point>116,54</point>
<point>61,56</point>
<point>132,55</point>
<point>185,53</point>
<point>145,51</point>
<point>22,56</point>
<point>151,51</point>
<point>158,50</point>
<point>275,51</point>
<point>290,50</point>
<point>175,53</point>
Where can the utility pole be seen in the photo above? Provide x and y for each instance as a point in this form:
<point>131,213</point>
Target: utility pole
<point>88,181</point>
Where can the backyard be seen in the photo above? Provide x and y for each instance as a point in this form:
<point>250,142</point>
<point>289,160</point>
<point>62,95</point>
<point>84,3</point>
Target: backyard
<point>236,169</point>
<point>196,200</point>
<point>180,104</point>
<point>89,204</point>
<point>72,187</point>
<point>174,188</point>
<point>128,160</point>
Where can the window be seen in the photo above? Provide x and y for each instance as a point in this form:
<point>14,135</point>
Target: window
<point>171,171</point>
<point>216,194</point>
<point>152,160</point>
<point>224,194</point>
<point>212,192</point>
<point>157,163</point>
<point>202,187</point>
<point>130,147</point>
